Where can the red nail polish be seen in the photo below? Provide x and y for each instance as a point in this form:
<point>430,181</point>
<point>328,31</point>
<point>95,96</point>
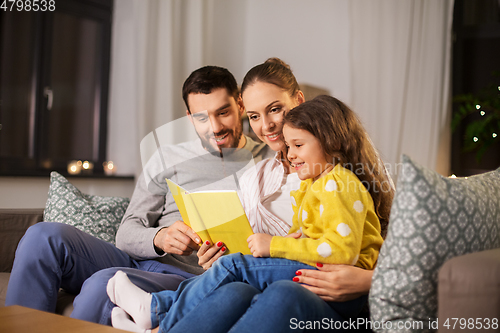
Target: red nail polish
<point>219,244</point>
<point>295,279</point>
<point>298,273</point>
<point>223,249</point>
<point>207,242</point>
<point>319,264</point>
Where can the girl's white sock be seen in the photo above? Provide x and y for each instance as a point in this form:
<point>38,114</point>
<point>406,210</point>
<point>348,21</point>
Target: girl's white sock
<point>121,320</point>
<point>135,301</point>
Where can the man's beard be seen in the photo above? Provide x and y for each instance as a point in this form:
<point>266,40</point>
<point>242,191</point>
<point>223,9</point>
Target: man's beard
<point>236,134</point>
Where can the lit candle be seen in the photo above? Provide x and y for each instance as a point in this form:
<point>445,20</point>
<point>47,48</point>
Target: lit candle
<point>87,167</point>
<point>109,168</point>
<point>74,167</point>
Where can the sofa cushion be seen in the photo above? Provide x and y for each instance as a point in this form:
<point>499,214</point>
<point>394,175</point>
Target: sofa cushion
<point>433,219</point>
<point>4,281</point>
<point>97,215</point>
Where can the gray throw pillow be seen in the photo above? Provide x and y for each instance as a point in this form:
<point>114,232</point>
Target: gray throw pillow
<point>433,219</point>
<point>96,215</point>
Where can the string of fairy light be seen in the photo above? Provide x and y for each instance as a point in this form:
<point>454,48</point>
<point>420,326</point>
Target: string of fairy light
<point>482,113</point>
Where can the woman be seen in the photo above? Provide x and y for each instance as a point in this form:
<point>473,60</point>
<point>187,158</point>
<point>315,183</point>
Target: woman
<point>269,90</point>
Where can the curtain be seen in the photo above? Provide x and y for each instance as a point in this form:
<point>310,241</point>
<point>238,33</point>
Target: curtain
<point>388,59</point>
<point>155,46</point>
<point>400,66</point>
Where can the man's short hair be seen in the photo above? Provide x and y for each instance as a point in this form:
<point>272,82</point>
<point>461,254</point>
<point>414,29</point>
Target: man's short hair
<point>206,79</point>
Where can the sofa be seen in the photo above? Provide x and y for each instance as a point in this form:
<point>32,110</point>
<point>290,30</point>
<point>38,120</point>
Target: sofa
<point>13,225</point>
<point>469,285</point>
<point>439,265</point>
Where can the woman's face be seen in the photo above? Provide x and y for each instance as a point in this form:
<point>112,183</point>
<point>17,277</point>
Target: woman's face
<point>265,105</point>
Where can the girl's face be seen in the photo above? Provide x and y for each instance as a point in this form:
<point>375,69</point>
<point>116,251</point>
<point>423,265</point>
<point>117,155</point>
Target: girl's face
<point>265,105</point>
<point>305,153</point>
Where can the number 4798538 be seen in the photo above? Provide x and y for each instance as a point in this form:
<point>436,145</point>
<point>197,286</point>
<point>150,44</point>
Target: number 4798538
<point>471,323</point>
<point>28,5</point>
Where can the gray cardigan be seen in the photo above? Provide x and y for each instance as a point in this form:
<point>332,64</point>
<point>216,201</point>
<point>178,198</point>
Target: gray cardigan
<point>152,206</point>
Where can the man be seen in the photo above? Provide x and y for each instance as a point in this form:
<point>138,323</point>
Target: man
<point>154,247</point>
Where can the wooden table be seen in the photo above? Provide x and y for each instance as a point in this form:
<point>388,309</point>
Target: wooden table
<point>20,319</point>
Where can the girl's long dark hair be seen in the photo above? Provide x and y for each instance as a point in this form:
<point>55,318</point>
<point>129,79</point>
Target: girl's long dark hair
<point>343,137</point>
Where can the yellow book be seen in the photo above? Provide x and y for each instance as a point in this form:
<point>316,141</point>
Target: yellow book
<point>214,216</point>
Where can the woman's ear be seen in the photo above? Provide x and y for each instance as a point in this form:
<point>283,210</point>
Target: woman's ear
<point>300,97</point>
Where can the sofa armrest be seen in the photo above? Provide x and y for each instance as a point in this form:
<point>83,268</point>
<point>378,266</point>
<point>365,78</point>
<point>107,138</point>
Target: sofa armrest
<point>13,225</point>
<point>469,287</point>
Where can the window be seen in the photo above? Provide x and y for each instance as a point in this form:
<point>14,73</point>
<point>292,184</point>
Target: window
<point>476,50</point>
<point>54,74</point>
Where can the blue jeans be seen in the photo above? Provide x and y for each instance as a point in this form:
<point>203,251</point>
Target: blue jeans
<point>284,306</point>
<point>169,307</point>
<point>55,255</point>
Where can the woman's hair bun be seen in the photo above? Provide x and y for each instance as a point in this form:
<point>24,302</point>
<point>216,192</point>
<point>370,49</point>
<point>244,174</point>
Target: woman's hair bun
<point>277,61</point>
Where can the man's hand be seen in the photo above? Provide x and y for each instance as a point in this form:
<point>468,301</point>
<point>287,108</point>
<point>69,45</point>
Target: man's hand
<point>177,239</point>
<point>208,254</point>
<point>260,245</point>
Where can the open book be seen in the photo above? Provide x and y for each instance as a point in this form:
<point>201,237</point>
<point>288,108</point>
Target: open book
<point>214,216</point>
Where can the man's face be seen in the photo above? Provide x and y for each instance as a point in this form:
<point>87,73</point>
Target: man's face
<point>217,119</point>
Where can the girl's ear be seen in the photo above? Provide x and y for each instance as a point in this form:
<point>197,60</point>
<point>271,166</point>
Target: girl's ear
<point>335,155</point>
<point>330,158</point>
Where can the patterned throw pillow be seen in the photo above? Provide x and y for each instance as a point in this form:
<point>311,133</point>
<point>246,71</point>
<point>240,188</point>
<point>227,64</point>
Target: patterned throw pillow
<point>96,215</point>
<point>433,219</point>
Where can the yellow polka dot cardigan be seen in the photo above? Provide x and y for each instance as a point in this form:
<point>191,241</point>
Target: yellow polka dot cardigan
<point>338,223</point>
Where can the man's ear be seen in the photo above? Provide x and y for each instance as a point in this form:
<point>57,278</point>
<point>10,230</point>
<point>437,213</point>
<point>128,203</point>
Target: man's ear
<point>190,117</point>
<point>241,106</point>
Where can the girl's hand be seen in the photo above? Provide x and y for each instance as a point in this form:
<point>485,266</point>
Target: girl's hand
<point>337,283</point>
<point>208,254</point>
<point>295,235</point>
<point>260,245</point>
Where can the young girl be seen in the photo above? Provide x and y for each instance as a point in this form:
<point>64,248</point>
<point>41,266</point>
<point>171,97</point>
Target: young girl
<point>333,209</point>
